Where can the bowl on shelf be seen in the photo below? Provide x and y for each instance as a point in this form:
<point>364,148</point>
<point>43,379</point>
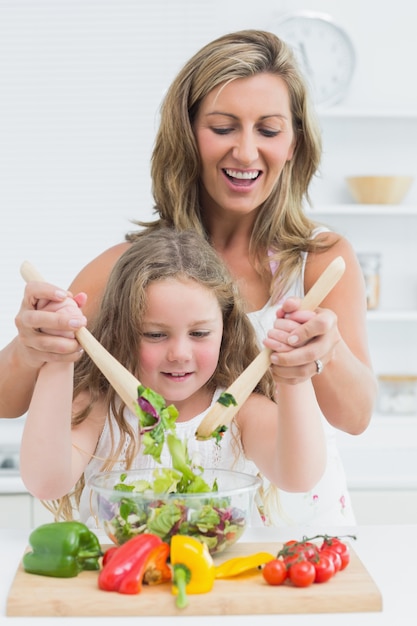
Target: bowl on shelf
<point>379,189</point>
<point>125,504</point>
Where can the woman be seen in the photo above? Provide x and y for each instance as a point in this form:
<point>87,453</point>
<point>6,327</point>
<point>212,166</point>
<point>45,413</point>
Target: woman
<point>234,157</point>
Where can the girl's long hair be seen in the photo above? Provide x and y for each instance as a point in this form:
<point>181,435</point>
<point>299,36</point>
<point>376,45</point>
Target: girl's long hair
<point>282,228</point>
<point>156,256</point>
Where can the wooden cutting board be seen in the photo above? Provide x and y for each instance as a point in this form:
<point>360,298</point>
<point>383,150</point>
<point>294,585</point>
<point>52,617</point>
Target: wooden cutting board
<point>351,590</point>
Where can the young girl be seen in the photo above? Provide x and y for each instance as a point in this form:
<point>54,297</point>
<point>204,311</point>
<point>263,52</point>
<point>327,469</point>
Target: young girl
<point>172,315</point>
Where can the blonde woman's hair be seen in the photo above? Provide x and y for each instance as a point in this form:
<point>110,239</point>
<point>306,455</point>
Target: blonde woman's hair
<point>282,230</point>
<point>156,256</point>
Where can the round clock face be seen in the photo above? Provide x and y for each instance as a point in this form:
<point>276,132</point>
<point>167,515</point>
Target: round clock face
<point>324,51</point>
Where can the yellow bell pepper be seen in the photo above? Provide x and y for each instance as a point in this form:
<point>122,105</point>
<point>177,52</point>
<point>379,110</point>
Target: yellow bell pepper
<point>242,564</point>
<point>193,568</point>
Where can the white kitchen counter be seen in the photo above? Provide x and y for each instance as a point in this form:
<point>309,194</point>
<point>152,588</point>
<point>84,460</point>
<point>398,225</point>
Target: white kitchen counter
<point>389,553</point>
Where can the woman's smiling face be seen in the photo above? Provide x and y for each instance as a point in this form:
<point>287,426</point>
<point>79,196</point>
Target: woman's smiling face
<point>244,136</point>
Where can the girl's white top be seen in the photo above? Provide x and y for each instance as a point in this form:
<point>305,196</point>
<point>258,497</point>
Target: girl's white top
<point>327,504</point>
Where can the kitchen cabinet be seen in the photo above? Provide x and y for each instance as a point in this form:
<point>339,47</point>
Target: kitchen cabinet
<point>389,451</point>
<point>381,464</point>
<point>372,142</point>
<point>21,510</point>
<point>39,513</point>
<point>385,506</point>
<point>390,232</point>
<point>15,511</point>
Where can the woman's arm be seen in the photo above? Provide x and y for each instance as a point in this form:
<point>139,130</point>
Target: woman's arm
<point>346,388</point>
<point>22,358</point>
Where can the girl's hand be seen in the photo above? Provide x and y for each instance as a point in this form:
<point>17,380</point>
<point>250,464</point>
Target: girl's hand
<point>70,305</point>
<point>299,339</point>
<point>46,322</point>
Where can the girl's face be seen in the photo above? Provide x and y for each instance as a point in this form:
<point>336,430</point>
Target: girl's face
<point>181,336</point>
<point>244,136</point>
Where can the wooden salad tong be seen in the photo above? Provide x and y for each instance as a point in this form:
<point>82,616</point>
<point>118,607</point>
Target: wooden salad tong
<point>123,382</point>
<point>242,387</point>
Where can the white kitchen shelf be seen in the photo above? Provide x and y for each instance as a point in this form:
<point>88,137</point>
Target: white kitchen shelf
<point>392,316</point>
<point>356,210</point>
<point>394,420</point>
<point>383,457</point>
<point>368,113</point>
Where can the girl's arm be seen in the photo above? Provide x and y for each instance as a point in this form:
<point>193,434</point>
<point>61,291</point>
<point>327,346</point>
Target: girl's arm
<point>46,447</point>
<point>49,463</point>
<point>285,440</point>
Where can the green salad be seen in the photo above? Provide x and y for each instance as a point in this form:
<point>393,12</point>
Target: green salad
<point>212,519</point>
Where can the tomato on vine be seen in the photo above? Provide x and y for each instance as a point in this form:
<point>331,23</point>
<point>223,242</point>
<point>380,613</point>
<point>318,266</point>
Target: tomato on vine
<point>337,546</point>
<point>293,557</point>
<point>304,562</point>
<point>309,550</point>
<point>275,572</point>
<point>334,556</point>
<point>324,569</point>
<point>294,551</point>
<point>302,573</point>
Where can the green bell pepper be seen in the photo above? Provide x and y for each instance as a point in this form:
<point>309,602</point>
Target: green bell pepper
<point>62,549</point>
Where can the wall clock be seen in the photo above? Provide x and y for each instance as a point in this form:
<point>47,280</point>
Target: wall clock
<point>324,51</point>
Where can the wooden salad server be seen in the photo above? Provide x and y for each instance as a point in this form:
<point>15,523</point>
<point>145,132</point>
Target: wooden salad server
<point>242,387</point>
<point>123,382</point>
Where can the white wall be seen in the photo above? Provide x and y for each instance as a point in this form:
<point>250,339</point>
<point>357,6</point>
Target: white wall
<point>80,84</point>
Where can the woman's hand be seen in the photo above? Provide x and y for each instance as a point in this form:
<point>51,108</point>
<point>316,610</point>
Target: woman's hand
<point>299,339</point>
<point>46,323</point>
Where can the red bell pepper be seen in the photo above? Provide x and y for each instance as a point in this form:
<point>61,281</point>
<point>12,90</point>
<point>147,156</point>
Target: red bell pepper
<point>108,554</point>
<point>157,570</point>
<point>124,570</point>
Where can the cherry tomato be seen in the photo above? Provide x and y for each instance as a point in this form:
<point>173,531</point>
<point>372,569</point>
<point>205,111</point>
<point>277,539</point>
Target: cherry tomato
<point>335,556</point>
<point>295,551</point>
<point>274,572</point>
<point>290,553</point>
<point>290,559</point>
<point>302,574</point>
<point>338,546</point>
<point>324,569</point>
<point>309,550</point>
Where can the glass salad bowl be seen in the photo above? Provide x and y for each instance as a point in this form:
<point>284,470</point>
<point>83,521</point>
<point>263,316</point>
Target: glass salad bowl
<point>136,501</point>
